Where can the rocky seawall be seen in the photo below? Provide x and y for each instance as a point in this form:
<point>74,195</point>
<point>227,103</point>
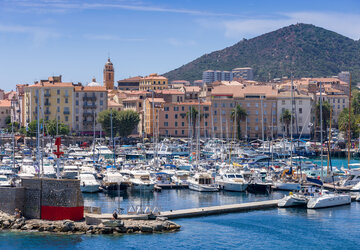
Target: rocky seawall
<point>8,222</point>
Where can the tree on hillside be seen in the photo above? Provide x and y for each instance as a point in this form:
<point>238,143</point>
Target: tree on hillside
<point>238,114</point>
<point>123,122</point>
<point>285,119</point>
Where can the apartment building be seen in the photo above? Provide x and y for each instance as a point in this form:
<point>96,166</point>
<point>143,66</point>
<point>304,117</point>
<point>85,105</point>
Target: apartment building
<point>54,99</point>
<point>153,82</point>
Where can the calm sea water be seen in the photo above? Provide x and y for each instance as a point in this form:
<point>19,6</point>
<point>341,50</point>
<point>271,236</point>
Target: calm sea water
<point>292,228</point>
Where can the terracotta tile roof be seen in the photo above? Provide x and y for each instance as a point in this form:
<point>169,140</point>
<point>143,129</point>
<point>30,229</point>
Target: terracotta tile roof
<point>114,104</point>
<point>192,89</point>
<point>90,88</point>
<point>131,79</point>
<point>49,85</point>
<point>5,103</point>
<point>154,77</point>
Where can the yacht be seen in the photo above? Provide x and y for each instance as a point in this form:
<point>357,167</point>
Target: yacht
<point>326,199</point>
<point>4,181</point>
<point>112,180</point>
<point>181,177</point>
<point>232,181</point>
<point>70,172</point>
<point>88,183</point>
<point>202,182</point>
<point>141,181</point>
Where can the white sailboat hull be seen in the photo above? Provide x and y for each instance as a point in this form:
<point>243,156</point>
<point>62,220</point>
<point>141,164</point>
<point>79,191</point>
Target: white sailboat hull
<point>329,200</point>
<point>292,201</point>
<point>90,188</point>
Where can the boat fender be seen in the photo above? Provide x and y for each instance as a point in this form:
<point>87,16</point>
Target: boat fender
<point>290,193</point>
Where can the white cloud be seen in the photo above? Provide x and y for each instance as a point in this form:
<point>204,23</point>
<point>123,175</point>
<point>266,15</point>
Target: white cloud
<point>39,35</point>
<point>105,37</point>
<point>345,24</point>
<point>62,6</point>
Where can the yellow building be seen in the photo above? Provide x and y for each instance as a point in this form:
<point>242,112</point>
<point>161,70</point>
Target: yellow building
<point>153,82</point>
<point>55,101</point>
<point>152,108</point>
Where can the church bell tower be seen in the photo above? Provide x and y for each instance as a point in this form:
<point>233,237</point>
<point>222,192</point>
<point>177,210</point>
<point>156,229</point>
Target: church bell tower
<point>109,75</point>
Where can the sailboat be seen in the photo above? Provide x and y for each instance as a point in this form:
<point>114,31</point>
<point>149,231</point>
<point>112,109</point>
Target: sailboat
<point>326,199</point>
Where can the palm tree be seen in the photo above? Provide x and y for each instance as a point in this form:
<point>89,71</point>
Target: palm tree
<point>192,115</point>
<point>326,109</point>
<point>286,119</point>
<point>238,114</point>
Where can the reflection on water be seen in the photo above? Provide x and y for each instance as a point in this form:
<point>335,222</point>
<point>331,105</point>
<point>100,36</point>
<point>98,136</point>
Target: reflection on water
<point>172,199</point>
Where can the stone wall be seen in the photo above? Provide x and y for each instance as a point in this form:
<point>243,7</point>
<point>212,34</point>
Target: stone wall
<point>32,197</point>
<point>11,198</point>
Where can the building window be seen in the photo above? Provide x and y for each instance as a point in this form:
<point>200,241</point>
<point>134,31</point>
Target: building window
<point>176,116</point>
<point>215,105</point>
<point>77,118</point>
<point>66,100</point>
<point>300,102</point>
<point>58,91</point>
<point>77,94</point>
<point>206,124</point>
<point>166,124</point>
<point>300,128</point>
<point>101,102</point>
<point>176,124</point>
<point>166,108</point>
<point>66,118</point>
<point>256,128</point>
<point>166,116</point>
<point>102,95</point>
<point>182,108</point>
<point>175,132</point>
<point>248,105</point>
<point>182,132</point>
<point>58,109</point>
<point>224,105</point>
<point>257,112</point>
<point>183,124</point>
<point>300,110</point>
<point>283,102</point>
<point>257,105</point>
<point>77,102</point>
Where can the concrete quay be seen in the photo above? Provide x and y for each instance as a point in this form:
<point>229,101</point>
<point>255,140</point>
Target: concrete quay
<point>193,212</point>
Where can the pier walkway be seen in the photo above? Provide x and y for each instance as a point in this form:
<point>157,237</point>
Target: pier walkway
<point>192,212</point>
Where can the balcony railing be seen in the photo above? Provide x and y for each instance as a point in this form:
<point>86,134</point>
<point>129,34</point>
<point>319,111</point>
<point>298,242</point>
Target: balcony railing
<point>89,106</point>
<point>89,98</point>
<point>47,112</point>
<point>47,104</point>
<point>66,112</point>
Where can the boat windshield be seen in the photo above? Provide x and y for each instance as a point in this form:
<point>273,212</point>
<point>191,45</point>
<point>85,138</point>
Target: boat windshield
<point>239,176</point>
<point>231,176</point>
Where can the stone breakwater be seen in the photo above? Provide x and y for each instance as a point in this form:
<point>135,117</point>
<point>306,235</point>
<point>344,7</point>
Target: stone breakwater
<point>8,222</point>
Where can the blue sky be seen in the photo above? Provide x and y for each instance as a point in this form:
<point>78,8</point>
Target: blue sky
<point>40,38</point>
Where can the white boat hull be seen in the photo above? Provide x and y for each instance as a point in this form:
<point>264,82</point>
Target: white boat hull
<point>287,186</point>
<point>292,201</point>
<point>90,188</point>
<point>329,200</point>
<point>203,188</point>
<point>233,186</point>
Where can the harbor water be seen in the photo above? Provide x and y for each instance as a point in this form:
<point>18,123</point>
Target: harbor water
<point>291,228</point>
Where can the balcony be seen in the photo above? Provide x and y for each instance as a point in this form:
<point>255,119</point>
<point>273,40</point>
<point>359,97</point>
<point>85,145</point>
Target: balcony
<point>91,106</point>
<point>66,112</point>
<point>47,104</point>
<point>47,112</point>
<point>89,98</point>
<point>47,94</point>
<point>88,122</point>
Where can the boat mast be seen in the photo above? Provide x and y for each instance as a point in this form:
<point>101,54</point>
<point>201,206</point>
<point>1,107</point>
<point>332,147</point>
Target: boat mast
<point>94,137</point>
<point>321,134</point>
<point>349,126</point>
<point>291,121</point>
<point>262,124</point>
<point>38,132</point>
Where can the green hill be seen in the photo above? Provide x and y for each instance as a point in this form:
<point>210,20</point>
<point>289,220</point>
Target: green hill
<point>304,49</point>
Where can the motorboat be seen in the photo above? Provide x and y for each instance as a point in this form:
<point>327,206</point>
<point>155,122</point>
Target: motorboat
<point>326,199</point>
<point>88,183</point>
<point>181,177</point>
<point>141,181</point>
<point>232,182</point>
<point>112,180</point>
<point>70,172</point>
<point>202,182</point>
<point>4,181</point>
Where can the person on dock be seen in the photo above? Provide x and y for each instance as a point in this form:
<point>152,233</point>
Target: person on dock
<point>115,215</point>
